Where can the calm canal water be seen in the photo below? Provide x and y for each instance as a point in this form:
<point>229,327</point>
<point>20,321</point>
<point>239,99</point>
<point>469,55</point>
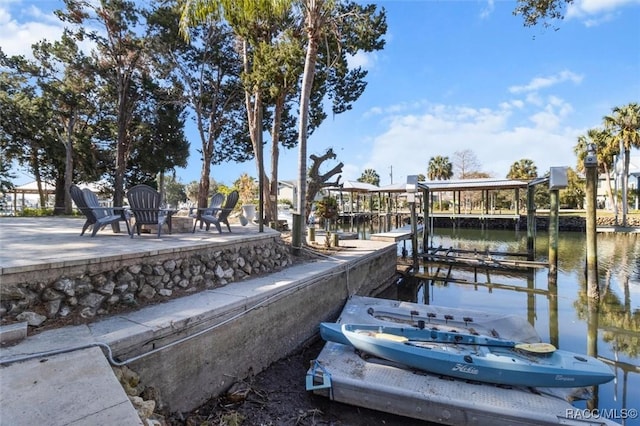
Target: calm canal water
<point>561,315</point>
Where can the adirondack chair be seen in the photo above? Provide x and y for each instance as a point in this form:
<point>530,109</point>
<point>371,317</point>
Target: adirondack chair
<point>144,203</point>
<point>214,207</point>
<point>97,216</point>
<point>222,216</point>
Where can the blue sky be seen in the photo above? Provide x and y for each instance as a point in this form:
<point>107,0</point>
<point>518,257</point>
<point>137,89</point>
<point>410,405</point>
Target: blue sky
<point>454,76</point>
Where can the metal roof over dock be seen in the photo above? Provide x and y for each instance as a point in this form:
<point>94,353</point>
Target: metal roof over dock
<point>472,184</point>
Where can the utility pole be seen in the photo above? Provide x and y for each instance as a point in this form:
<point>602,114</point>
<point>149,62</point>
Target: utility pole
<point>591,171</point>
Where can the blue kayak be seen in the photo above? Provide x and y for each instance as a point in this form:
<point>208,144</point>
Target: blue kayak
<point>472,357</point>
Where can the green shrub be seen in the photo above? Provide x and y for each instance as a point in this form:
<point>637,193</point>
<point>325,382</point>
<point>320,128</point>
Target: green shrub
<point>35,212</point>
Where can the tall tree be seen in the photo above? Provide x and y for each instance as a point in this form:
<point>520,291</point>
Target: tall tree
<point>465,163</point>
<point>26,131</point>
<point>255,22</point>
<point>323,17</point>
<point>66,79</point>
<point>352,28</point>
<point>624,124</point>
<point>5,174</point>
<point>281,64</point>
<point>162,146</point>
<point>440,168</point>
<point>203,73</point>
<point>120,55</point>
<point>523,169</point>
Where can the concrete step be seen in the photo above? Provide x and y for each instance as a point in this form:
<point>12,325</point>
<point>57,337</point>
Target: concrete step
<point>75,388</point>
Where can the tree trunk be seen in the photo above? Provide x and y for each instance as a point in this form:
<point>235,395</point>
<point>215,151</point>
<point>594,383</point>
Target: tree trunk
<point>609,190</point>
<point>625,186</point>
<point>305,97</point>
<point>318,181</point>
<point>272,202</point>
<point>121,147</point>
<point>253,103</point>
<point>68,168</point>
<point>203,186</point>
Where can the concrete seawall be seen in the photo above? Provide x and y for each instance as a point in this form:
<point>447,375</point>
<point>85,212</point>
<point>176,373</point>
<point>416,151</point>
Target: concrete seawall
<point>193,348</point>
<point>260,322</point>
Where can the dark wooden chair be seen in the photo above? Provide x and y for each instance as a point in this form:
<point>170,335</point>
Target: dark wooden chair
<point>144,205</point>
<point>222,215</point>
<point>214,207</point>
<point>97,216</point>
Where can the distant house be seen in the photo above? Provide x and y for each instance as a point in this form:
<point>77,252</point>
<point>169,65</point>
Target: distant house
<point>616,184</point>
<point>287,190</point>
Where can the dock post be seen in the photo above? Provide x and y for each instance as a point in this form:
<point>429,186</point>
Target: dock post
<point>531,222</point>
<point>553,231</point>
<point>296,240</point>
<point>591,172</point>
<point>412,182</point>
<point>425,224</point>
<point>414,236</point>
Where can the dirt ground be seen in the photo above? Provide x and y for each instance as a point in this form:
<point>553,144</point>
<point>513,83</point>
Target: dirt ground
<point>277,397</point>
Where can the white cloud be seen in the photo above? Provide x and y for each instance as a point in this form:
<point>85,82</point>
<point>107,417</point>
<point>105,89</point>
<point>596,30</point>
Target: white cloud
<point>585,8</point>
<point>411,139</point>
<point>394,108</point>
<point>539,83</point>
<point>18,36</point>
<point>366,60</point>
<point>487,10</point>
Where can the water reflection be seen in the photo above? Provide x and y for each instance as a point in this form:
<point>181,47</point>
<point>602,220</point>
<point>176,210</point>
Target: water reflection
<point>557,306</point>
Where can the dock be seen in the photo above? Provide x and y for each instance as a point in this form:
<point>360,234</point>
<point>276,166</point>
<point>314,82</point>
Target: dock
<point>343,376</point>
<point>399,234</point>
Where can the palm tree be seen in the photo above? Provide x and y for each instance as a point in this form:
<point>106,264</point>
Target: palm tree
<point>624,125</point>
<point>523,169</point>
<point>440,168</point>
<point>606,149</point>
<point>370,176</point>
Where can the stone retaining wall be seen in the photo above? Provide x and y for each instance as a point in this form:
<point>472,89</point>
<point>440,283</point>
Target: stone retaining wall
<point>100,289</point>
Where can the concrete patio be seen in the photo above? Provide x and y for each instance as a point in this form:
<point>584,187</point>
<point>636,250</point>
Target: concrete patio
<point>35,242</point>
<point>38,384</point>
